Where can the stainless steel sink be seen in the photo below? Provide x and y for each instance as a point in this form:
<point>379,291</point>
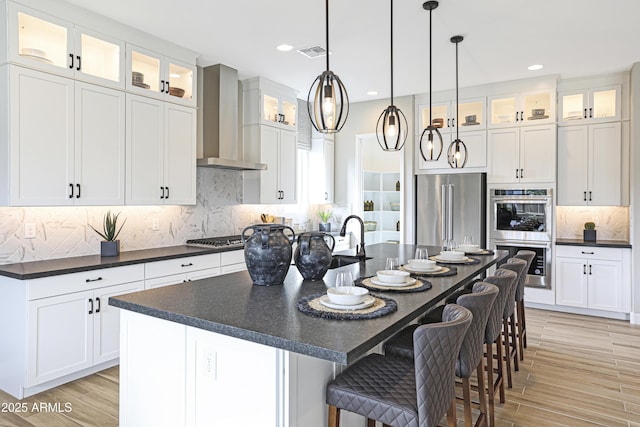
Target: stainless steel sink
<point>342,260</point>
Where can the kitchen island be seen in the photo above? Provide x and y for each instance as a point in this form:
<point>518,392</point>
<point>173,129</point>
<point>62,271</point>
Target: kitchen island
<point>222,351</point>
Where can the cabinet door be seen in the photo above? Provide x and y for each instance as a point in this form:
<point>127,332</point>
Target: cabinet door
<point>605,285</point>
<point>605,164</point>
<point>60,336</point>
<point>106,321</point>
<point>182,79</point>
<point>269,190</point>
<point>573,107</point>
<point>441,116</point>
<point>98,58</point>
<point>329,152</point>
<point>144,73</point>
<point>605,103</point>
<point>572,165</point>
<point>321,171</point>
<point>476,143</point>
<point>41,134</point>
<point>100,145</point>
<point>39,40</point>
<point>538,108</point>
<point>287,162</point>
<point>504,155</point>
<point>538,154</point>
<point>180,155</point>
<point>145,151</point>
<point>571,282</point>
<point>503,110</point>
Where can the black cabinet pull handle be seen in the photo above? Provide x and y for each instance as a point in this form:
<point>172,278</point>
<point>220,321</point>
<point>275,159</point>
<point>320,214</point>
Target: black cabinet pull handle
<point>585,196</point>
<point>78,187</point>
<point>162,90</point>
<point>584,268</point>
<point>589,269</point>
<point>71,194</point>
<point>167,196</point>
<point>93,280</point>
<point>590,196</point>
<point>585,113</point>
<point>71,65</point>
<point>453,122</point>
<point>590,112</point>
<point>186,265</point>
<point>517,174</point>
<point>98,301</point>
<point>521,173</point>
<point>91,305</point>
<point>326,195</point>
<point>162,195</point>
<point>79,63</point>
<point>448,123</point>
<point>167,91</point>
<point>588,253</point>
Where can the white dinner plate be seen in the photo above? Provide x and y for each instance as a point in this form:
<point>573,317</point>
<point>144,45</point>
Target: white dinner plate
<point>421,270</point>
<point>454,261</point>
<point>368,302</point>
<point>410,281</point>
<point>473,251</point>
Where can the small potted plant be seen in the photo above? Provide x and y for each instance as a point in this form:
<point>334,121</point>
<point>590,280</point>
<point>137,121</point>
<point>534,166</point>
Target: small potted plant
<point>589,232</point>
<point>110,246</point>
<point>324,225</point>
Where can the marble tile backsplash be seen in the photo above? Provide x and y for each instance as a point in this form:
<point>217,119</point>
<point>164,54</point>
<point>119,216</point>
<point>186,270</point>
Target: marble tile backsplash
<point>612,223</point>
<point>63,231</point>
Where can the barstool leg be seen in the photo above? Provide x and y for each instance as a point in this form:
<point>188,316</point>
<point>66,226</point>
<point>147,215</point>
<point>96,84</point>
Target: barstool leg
<point>466,397</point>
<point>500,371</point>
<point>507,350</point>
<point>482,397</point>
<point>451,414</point>
<point>514,342</point>
<point>334,416</point>
<point>491,391</point>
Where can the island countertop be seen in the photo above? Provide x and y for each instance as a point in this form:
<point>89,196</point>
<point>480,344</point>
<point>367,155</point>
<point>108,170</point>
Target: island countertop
<point>231,305</point>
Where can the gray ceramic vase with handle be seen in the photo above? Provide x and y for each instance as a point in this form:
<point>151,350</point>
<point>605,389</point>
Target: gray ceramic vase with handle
<point>267,253</point>
<point>313,255</point>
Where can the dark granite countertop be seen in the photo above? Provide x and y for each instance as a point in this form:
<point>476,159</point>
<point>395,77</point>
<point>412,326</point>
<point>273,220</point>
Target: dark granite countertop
<point>600,243</point>
<point>233,306</point>
<point>54,267</point>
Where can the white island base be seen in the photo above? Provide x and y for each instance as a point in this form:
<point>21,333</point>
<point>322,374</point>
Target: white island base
<point>177,375</point>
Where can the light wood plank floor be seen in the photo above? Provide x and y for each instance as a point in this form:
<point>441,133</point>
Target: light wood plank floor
<point>578,371</point>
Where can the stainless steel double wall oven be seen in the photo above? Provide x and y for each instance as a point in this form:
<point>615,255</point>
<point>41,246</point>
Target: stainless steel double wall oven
<point>522,219</point>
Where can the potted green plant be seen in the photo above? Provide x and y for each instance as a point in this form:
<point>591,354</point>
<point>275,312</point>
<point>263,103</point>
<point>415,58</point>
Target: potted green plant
<point>324,225</point>
<point>589,232</point>
<point>110,246</point>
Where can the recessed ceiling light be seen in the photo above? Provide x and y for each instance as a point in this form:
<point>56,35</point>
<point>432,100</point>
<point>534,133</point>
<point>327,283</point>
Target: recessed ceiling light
<point>535,67</point>
<point>284,47</point>
<point>372,92</point>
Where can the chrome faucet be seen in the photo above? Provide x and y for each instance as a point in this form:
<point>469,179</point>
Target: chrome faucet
<point>360,252</point>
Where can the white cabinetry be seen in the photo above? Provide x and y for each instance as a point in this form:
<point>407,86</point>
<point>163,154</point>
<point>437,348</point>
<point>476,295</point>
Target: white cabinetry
<point>269,103</point>
<point>66,141</point>
<point>38,40</point>
<point>590,105</point>
<point>321,170</point>
<point>519,155</point>
<point>161,144</point>
<point>278,149</point>
<point>443,114</point>
<point>172,271</point>
<point>593,277</point>
<point>476,143</point>
<point>590,170</point>
<point>522,109</point>
<point>59,328</point>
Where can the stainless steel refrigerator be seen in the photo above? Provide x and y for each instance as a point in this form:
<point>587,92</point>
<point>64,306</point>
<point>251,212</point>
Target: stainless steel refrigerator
<point>449,207</point>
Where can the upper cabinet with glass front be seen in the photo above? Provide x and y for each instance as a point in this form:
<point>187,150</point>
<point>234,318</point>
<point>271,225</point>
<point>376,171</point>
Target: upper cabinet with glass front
<point>471,115</point>
<point>158,76</point>
<point>270,103</point>
<point>38,40</point>
<point>529,108</point>
<point>590,105</point>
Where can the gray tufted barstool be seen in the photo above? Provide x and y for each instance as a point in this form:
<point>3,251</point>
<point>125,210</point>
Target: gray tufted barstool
<point>402,392</point>
<point>505,281</point>
<point>470,358</point>
<point>518,266</point>
<point>528,256</point>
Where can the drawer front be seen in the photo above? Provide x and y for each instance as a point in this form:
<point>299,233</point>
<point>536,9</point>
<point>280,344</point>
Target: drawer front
<point>180,265</point>
<point>83,281</point>
<point>233,257</point>
<point>590,252</point>
<point>233,268</point>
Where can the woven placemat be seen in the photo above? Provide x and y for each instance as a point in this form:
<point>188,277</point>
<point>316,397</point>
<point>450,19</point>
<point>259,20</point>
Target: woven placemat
<point>418,286</point>
<point>381,307</point>
<point>443,272</point>
<point>469,261</point>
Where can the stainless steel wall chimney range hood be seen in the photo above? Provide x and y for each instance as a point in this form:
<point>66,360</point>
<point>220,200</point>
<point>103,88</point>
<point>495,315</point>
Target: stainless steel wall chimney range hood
<point>218,142</point>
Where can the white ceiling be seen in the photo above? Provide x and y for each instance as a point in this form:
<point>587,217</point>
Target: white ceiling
<point>570,38</point>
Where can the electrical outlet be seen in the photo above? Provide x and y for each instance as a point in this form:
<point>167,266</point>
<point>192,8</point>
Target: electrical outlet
<point>29,230</point>
<point>155,224</point>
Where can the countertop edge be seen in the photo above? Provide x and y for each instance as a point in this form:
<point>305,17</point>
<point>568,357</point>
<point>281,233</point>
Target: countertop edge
<point>598,243</point>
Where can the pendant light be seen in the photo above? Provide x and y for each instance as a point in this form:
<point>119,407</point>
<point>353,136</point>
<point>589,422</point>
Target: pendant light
<point>391,129</point>
<point>328,107</point>
<point>431,140</point>
<point>457,152</point>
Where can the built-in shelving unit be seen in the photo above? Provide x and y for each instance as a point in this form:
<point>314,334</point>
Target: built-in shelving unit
<point>382,189</point>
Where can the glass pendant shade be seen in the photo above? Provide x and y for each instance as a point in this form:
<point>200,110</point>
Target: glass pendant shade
<point>430,143</point>
<point>391,129</point>
<point>328,101</point>
<point>457,152</point>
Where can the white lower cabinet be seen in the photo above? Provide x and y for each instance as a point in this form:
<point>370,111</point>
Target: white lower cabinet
<point>178,270</point>
<point>594,278</point>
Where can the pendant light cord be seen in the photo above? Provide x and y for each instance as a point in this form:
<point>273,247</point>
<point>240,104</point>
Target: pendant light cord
<point>391,52</point>
<point>430,69</point>
<point>457,104</point>
<point>327,30</point>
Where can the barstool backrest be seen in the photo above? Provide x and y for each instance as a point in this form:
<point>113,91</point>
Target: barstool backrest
<point>479,302</point>
<point>436,347</point>
<point>528,256</point>
<point>506,281</point>
<point>518,266</point>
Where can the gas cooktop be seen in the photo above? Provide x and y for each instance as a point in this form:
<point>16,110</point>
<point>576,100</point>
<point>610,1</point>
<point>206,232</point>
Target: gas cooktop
<point>217,242</point>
